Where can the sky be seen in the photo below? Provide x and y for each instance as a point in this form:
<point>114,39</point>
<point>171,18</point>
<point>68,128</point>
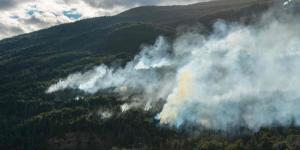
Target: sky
<point>24,16</point>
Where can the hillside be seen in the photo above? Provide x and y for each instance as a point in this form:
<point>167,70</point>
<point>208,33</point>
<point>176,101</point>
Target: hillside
<point>29,63</point>
<point>86,42</point>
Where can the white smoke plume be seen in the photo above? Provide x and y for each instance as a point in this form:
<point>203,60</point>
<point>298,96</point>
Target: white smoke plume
<point>140,77</point>
<point>239,76</point>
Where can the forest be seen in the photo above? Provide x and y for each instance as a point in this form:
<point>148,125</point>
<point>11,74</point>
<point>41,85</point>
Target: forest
<point>31,119</point>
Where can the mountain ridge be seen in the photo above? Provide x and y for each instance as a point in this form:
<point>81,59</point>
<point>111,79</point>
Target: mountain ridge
<point>134,11</point>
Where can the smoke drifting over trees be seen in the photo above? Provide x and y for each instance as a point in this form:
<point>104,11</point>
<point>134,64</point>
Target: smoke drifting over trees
<point>239,76</point>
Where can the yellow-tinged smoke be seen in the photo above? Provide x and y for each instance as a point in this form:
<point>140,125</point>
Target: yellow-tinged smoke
<point>178,98</point>
<point>184,85</point>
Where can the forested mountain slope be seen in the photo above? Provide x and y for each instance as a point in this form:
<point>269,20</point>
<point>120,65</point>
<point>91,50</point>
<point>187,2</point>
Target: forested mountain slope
<point>29,63</point>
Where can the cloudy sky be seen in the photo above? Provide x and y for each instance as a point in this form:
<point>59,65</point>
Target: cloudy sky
<point>23,16</point>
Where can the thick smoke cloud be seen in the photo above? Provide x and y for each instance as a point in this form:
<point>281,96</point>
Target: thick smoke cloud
<point>239,76</point>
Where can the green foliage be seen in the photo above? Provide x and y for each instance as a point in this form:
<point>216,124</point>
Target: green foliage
<point>31,119</point>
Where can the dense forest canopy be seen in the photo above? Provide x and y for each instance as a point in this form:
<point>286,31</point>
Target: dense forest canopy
<point>32,118</point>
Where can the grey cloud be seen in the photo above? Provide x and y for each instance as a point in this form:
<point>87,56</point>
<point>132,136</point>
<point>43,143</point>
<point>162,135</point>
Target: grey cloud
<point>106,4</point>
<point>124,3</point>
<point>8,30</point>
<point>6,4</point>
<point>35,21</point>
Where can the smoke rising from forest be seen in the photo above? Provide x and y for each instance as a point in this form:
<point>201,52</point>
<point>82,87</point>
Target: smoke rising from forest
<point>238,76</point>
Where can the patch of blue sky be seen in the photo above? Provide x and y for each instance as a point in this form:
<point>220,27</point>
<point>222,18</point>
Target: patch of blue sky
<point>14,17</point>
<point>73,14</point>
<point>30,11</point>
